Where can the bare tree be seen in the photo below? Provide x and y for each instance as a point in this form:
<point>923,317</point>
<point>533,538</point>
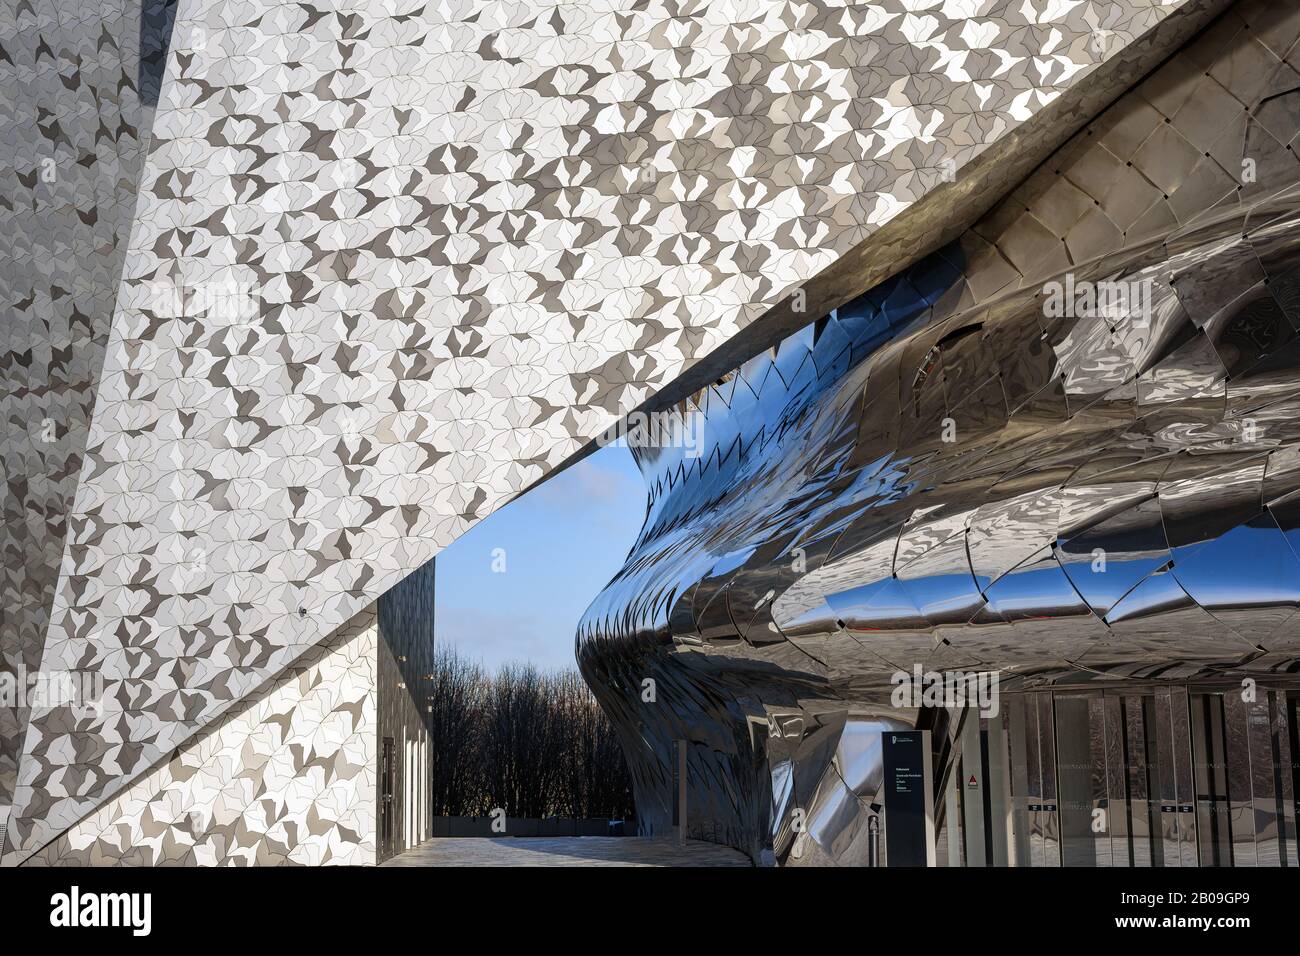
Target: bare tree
<point>457,707</point>
<point>536,744</point>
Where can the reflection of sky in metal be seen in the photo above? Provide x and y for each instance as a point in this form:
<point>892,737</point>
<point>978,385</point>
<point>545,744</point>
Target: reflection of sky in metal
<point>945,473</point>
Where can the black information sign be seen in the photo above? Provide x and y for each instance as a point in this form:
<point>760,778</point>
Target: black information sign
<point>907,797</point>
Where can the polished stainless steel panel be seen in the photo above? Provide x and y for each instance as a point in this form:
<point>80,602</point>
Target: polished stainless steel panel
<point>999,791</point>
<point>1080,769</point>
<point>1020,750</point>
<point>1160,730</point>
<point>1284,762</point>
<point>1243,812</point>
<point>1112,845</point>
<point>1094,493</point>
<point>1266,810</point>
<point>1141,843</point>
<point>1049,818</point>
<point>1184,777</point>
<point>1210,770</point>
<point>1265,791</point>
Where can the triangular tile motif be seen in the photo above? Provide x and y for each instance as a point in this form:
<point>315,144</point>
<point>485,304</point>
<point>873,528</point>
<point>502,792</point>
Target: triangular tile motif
<point>285,777</point>
<point>79,84</point>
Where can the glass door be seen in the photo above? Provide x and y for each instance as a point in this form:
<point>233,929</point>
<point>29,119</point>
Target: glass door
<point>386,772</point>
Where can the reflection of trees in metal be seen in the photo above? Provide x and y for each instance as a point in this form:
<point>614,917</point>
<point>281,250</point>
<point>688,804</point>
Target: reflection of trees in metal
<point>944,471</point>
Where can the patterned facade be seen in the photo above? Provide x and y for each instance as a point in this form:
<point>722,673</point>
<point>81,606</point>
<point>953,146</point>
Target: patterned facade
<point>987,465</point>
<point>369,269</point>
<point>76,129</point>
<point>286,778</point>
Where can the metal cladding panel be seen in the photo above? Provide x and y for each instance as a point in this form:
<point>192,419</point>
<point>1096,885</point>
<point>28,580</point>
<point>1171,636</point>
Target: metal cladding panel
<point>76,127</point>
<point>284,777</point>
<point>393,261</point>
<point>1067,442</point>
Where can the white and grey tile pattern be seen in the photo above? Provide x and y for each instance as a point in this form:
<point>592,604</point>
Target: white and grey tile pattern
<point>75,129</point>
<point>285,777</point>
<point>472,234</point>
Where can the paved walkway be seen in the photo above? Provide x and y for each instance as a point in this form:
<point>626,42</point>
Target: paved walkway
<point>566,851</point>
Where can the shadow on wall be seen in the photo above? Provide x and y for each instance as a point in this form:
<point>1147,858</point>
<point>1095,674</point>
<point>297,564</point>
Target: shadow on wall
<point>157,17</point>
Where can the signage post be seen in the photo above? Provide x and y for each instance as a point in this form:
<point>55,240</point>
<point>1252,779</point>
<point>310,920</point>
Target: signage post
<point>909,798</point>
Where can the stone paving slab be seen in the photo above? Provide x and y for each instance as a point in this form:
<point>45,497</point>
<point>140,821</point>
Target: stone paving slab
<point>566,851</point>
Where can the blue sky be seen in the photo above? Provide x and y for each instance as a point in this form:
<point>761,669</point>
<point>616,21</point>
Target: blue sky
<point>563,541</point>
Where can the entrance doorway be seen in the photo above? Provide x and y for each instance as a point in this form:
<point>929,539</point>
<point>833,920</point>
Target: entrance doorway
<point>1145,775</point>
<point>387,772</point>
